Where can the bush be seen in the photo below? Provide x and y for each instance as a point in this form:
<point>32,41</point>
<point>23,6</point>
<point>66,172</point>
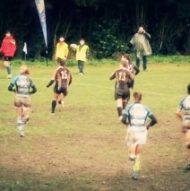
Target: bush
<point>105,42</point>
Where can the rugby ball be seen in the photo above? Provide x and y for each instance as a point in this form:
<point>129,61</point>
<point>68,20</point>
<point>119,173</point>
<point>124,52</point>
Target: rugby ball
<point>73,46</point>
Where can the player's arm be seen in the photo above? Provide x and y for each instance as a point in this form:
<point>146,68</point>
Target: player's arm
<point>66,51</point>
<point>11,87</point>
<point>71,78</point>
<point>33,88</point>
<point>137,71</point>
<point>179,110</point>
<point>179,113</point>
<point>125,118</point>
<point>88,52</point>
<point>131,75</point>
<point>51,82</point>
<point>152,122</point>
<point>147,35</point>
<point>113,76</point>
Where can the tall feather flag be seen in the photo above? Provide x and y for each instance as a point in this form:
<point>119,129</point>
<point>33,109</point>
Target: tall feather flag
<point>42,15</point>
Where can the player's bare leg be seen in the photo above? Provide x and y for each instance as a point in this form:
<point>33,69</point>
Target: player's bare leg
<point>26,113</point>
<point>187,141</point>
<point>7,64</point>
<point>60,100</point>
<point>125,102</point>
<point>119,107</point>
<point>20,123</point>
<point>137,163</point>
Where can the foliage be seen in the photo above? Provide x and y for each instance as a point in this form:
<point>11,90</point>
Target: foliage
<point>105,41</point>
<point>107,25</point>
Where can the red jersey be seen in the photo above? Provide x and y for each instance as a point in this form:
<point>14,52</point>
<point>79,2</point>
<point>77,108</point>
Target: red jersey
<point>8,47</point>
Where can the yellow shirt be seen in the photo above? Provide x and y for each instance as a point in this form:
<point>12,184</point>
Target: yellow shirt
<point>81,52</point>
<point>62,50</point>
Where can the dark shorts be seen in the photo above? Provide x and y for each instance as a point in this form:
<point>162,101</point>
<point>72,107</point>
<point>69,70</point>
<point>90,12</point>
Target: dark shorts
<point>7,58</point>
<point>131,83</point>
<point>61,91</point>
<point>122,94</point>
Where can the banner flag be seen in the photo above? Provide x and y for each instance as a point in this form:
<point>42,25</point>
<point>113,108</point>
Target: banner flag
<point>42,15</point>
<point>25,49</point>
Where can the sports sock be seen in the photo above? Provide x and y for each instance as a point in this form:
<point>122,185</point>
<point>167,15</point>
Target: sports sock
<point>9,69</point>
<point>53,106</point>
<point>119,111</point>
<point>137,164</point>
<point>20,125</point>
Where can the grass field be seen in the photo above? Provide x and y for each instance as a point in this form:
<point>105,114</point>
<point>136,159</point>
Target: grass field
<point>82,148</point>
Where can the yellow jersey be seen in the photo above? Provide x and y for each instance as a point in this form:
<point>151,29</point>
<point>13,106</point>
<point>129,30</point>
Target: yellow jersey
<point>82,53</point>
<point>62,50</point>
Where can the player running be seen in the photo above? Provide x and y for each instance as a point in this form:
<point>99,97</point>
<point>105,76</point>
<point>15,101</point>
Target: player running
<point>62,78</point>
<point>136,116</point>
<point>122,89</point>
<point>131,67</point>
<point>23,86</point>
<point>184,115</point>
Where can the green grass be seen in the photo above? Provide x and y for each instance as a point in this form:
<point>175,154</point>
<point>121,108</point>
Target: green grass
<point>82,147</point>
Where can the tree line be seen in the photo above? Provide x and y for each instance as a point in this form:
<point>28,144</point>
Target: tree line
<point>107,25</point>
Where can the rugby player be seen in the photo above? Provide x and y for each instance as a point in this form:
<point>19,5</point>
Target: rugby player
<point>23,86</point>
<point>131,67</point>
<point>136,116</point>
<point>62,78</point>
<point>122,90</point>
<point>183,114</point>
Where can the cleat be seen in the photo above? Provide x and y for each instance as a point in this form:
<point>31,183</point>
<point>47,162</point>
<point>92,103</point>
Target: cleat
<point>135,175</point>
<point>187,168</point>
<point>132,157</point>
<point>22,134</point>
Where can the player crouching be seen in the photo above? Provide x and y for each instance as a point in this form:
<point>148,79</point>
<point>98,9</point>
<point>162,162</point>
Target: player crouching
<point>23,86</point>
<point>62,78</point>
<point>184,114</point>
<point>136,117</point>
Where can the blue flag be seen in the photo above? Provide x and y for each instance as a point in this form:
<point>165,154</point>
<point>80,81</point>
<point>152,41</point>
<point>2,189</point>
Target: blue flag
<point>42,15</point>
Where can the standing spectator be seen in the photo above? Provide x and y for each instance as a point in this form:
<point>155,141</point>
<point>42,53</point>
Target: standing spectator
<point>82,52</point>
<point>140,41</point>
<point>8,49</point>
<point>62,49</point>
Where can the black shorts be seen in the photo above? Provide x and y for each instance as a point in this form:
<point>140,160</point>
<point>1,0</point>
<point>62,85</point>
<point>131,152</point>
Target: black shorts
<point>61,90</point>
<point>122,94</point>
<point>131,84</point>
<point>7,58</point>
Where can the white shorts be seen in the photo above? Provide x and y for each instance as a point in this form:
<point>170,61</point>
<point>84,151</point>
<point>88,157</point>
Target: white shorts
<point>136,137</point>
